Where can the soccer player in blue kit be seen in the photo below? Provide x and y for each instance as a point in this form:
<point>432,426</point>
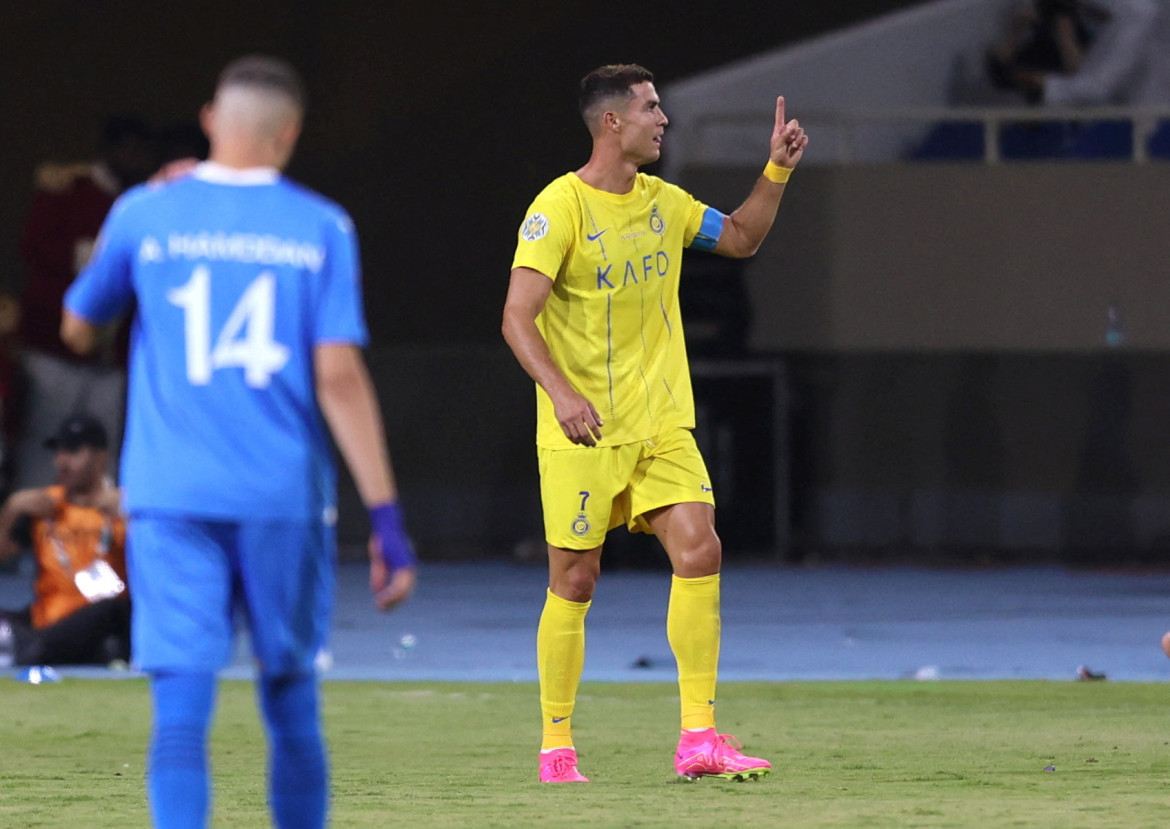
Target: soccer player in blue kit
<point>246,355</point>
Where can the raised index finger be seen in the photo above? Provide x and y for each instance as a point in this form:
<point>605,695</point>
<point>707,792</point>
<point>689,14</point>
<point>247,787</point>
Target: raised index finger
<point>780,113</point>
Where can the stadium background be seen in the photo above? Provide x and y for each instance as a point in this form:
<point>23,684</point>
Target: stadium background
<point>435,124</point>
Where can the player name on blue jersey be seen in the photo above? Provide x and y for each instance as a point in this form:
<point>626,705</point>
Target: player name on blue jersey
<point>249,248</point>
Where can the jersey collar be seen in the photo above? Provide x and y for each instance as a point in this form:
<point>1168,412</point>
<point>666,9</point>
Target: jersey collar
<point>222,174</point>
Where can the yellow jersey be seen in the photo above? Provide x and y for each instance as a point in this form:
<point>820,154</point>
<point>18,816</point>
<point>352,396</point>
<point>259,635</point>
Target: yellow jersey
<point>612,321</point>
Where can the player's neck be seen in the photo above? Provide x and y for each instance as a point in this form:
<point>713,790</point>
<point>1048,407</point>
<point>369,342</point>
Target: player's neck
<point>244,157</point>
<point>609,173</point>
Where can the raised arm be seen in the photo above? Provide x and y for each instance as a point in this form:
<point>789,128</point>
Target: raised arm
<point>745,229</point>
<point>347,399</point>
<point>528,291</point>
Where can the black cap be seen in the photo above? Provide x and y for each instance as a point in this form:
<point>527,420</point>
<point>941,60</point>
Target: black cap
<point>77,431</point>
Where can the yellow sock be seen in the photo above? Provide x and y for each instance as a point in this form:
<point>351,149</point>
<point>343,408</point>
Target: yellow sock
<point>560,657</point>
<point>692,627</point>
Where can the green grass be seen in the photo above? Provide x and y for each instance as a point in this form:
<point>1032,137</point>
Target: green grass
<point>851,754</point>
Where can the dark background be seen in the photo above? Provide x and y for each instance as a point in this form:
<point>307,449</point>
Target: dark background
<point>433,123</point>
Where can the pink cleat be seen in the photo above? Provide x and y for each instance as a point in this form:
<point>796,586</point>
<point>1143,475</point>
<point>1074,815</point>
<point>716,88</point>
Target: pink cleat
<point>560,766</point>
<point>709,754</point>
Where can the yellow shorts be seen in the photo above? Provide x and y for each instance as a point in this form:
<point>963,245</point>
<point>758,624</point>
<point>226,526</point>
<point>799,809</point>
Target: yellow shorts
<point>588,491</point>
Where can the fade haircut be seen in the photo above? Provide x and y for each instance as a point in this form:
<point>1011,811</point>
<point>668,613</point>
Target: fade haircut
<point>265,73</point>
<point>606,83</point>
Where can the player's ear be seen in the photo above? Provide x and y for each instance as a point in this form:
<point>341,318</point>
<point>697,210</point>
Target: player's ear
<point>295,131</point>
<point>286,138</point>
<point>611,121</point>
<point>207,118</point>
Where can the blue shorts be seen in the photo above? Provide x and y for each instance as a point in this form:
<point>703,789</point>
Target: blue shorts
<point>190,577</point>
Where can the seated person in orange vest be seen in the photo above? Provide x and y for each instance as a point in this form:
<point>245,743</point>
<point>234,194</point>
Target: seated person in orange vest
<point>81,610</point>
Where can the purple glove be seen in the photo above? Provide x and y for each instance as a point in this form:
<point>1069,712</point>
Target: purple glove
<point>397,551</point>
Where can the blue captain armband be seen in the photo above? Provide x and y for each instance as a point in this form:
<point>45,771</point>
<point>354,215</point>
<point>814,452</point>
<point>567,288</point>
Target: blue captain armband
<point>709,231</point>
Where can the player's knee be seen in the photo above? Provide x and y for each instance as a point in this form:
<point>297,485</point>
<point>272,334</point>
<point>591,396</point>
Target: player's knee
<point>573,574</point>
<point>576,589</point>
<point>700,555</point>
<point>575,585</point>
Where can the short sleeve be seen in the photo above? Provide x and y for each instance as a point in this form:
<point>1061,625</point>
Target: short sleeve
<point>340,318</point>
<point>104,290</point>
<point>547,232</point>
<point>704,223</point>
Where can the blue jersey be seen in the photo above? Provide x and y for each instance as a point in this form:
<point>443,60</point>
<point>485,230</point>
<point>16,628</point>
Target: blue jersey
<point>233,277</point>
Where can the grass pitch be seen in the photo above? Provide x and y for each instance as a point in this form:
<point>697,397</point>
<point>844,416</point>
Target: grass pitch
<point>447,754</point>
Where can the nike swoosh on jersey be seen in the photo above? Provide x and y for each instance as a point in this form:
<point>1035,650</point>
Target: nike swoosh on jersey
<point>593,237</point>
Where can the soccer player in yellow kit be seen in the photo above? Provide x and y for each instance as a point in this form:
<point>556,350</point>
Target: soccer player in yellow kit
<point>592,315</point>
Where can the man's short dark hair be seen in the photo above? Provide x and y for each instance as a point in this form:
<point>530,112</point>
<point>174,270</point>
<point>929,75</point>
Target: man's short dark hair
<point>607,82</point>
<point>265,72</point>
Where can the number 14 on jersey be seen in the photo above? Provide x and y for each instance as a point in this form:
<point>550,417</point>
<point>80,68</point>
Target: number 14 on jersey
<point>246,339</point>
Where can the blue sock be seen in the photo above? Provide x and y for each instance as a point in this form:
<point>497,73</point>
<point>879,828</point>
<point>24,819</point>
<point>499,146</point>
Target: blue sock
<point>298,776</point>
<point>176,777</point>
